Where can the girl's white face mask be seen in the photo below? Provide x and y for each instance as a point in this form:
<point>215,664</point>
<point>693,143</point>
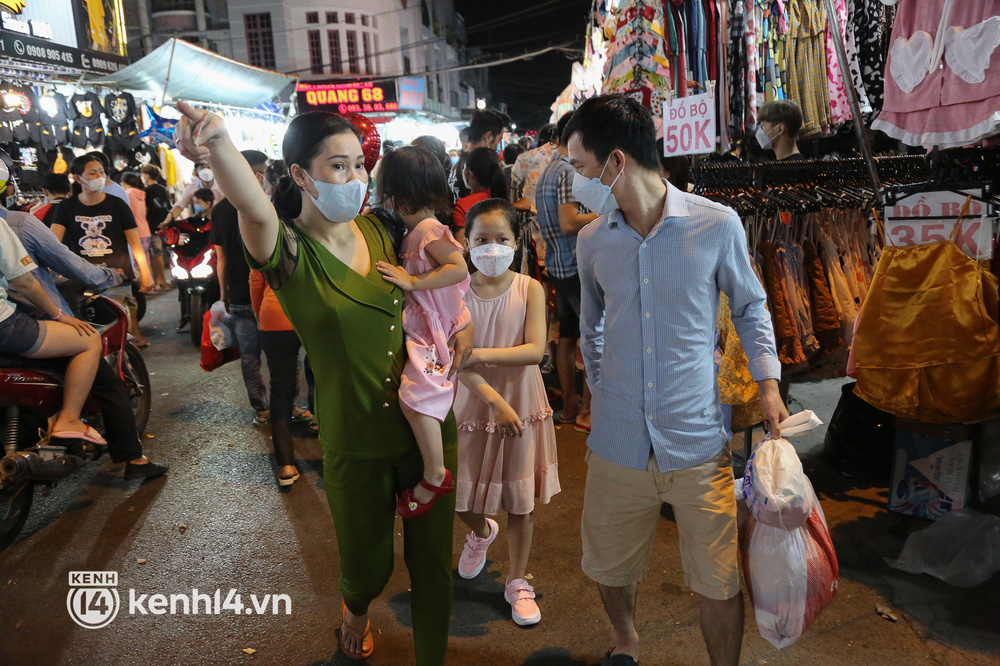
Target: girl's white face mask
<point>492,259</point>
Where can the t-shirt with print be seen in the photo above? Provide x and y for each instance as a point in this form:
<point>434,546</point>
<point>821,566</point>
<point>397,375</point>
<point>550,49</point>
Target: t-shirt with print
<point>97,233</point>
<point>14,262</point>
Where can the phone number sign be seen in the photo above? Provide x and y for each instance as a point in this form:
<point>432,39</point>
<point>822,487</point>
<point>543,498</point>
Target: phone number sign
<point>931,217</point>
<point>35,50</point>
<point>689,125</point>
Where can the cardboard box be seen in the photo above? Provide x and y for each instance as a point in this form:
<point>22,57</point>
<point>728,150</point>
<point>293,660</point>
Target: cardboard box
<point>930,472</point>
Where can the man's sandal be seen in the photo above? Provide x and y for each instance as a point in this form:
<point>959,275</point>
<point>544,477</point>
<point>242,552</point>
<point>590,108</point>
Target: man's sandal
<point>408,507</point>
<point>367,642</point>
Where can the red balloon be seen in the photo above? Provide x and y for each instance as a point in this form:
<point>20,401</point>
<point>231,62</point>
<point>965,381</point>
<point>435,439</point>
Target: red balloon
<point>371,140</point>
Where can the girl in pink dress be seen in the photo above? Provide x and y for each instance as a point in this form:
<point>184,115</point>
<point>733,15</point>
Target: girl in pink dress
<point>435,277</point>
<point>506,438</point>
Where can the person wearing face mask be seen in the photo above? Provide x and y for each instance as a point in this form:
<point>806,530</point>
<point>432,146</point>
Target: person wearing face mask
<point>201,203</point>
<point>201,178</point>
<point>319,256</point>
<point>484,176</point>
<point>507,455</point>
<point>435,276</point>
<point>234,289</point>
<point>780,122</point>
<point>652,269</point>
<point>55,187</point>
<point>102,229</point>
<point>560,219</point>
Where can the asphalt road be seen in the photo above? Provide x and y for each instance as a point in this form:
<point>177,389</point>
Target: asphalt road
<point>220,522</point>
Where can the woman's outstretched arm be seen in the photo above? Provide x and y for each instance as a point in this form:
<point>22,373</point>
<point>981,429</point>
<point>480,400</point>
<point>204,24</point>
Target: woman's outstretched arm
<point>203,137</point>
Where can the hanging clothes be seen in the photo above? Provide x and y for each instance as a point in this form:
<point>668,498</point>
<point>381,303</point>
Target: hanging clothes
<point>926,346</point>
<point>943,83</point>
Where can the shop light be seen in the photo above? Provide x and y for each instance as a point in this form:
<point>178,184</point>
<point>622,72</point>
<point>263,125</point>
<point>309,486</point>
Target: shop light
<point>480,103</point>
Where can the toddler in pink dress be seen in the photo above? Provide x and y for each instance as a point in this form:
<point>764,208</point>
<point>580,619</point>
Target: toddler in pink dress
<point>435,277</point>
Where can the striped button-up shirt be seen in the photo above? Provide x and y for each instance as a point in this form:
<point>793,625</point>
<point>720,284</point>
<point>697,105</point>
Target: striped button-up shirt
<point>647,326</point>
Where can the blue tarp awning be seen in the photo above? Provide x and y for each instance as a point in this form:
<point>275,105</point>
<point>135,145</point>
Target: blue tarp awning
<point>199,75</point>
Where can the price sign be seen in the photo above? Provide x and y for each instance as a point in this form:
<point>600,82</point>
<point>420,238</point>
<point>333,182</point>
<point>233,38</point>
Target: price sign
<point>930,217</point>
<point>689,125</point>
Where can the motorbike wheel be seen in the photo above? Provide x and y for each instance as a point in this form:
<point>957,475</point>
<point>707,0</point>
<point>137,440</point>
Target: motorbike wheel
<point>136,377</point>
<point>197,311</point>
<point>15,502</point>
<point>140,302</point>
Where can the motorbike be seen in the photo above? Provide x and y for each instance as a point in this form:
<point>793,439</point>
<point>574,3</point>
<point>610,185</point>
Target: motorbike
<point>193,266</point>
<point>31,392</point>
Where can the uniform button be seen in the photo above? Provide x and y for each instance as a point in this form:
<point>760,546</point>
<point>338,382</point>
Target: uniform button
<point>646,281</point>
<point>647,315</point>
<point>395,301</point>
<point>649,350</point>
<point>385,404</point>
<point>392,328</point>
<point>388,379</point>
<point>388,353</point>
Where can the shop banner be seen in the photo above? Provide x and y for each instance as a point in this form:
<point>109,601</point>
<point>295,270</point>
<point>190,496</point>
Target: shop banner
<point>35,50</point>
<point>689,126</point>
<point>930,217</point>
<point>411,93</point>
<point>354,97</point>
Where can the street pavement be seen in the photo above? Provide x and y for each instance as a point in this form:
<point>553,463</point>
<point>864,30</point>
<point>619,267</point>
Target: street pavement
<point>220,522</point>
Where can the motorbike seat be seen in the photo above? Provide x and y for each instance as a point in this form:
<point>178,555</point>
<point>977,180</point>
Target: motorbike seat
<point>11,362</point>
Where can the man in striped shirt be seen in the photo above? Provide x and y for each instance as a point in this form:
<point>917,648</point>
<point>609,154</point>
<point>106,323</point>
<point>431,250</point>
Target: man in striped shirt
<point>651,269</point>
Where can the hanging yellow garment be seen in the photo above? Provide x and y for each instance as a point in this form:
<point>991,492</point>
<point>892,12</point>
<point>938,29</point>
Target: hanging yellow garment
<point>98,33</point>
<point>927,345</point>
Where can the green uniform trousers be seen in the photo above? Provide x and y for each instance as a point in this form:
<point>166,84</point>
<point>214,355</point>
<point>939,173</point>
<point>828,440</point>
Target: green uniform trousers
<point>362,497</point>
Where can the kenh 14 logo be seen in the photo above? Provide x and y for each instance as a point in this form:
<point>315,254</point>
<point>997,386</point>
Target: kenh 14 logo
<point>93,600</point>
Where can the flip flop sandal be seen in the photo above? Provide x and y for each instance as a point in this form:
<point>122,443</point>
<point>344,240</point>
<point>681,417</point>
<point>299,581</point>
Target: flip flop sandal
<point>313,426</point>
<point>90,435</point>
<point>618,659</point>
<point>303,416</point>
<point>367,641</point>
<point>288,481</point>
<point>411,508</point>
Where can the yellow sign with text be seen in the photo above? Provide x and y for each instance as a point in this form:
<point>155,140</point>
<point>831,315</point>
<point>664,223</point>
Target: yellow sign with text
<point>14,6</point>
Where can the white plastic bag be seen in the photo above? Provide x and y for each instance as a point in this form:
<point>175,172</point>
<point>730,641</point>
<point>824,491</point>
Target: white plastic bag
<point>775,487</point>
<point>220,326</point>
<point>962,548</point>
<point>791,575</point>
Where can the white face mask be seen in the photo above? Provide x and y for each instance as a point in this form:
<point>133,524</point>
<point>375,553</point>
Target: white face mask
<point>492,259</point>
<point>594,194</point>
<point>206,175</point>
<point>339,203</point>
<point>763,138</point>
<point>93,184</point>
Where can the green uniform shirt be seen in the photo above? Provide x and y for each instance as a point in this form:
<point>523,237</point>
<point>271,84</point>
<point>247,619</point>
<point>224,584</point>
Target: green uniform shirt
<point>351,327</point>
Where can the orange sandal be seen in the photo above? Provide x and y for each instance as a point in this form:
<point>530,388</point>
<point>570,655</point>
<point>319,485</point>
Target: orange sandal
<point>367,642</point>
<point>408,507</point>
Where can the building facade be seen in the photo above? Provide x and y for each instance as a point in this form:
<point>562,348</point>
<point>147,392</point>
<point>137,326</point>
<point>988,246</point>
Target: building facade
<point>345,40</point>
<point>150,23</point>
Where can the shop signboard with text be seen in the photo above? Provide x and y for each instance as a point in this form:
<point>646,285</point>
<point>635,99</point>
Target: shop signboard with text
<point>411,93</point>
<point>689,125</point>
<point>353,97</point>
<point>931,217</point>
<point>80,34</point>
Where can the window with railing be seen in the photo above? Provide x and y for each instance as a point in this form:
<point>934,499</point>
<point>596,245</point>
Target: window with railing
<point>315,53</point>
<point>336,63</point>
<point>366,43</point>
<point>352,52</point>
<point>260,39</point>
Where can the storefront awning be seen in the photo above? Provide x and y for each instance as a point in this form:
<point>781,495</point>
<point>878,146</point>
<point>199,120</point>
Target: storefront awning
<point>198,75</point>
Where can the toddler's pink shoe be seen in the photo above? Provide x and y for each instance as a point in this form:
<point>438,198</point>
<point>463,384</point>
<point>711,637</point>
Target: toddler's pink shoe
<point>474,553</point>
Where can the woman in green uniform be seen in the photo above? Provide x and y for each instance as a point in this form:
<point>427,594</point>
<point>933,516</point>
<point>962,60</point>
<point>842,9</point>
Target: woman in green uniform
<point>319,255</point>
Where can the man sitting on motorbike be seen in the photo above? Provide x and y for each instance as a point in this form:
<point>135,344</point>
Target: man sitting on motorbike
<point>51,256</point>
